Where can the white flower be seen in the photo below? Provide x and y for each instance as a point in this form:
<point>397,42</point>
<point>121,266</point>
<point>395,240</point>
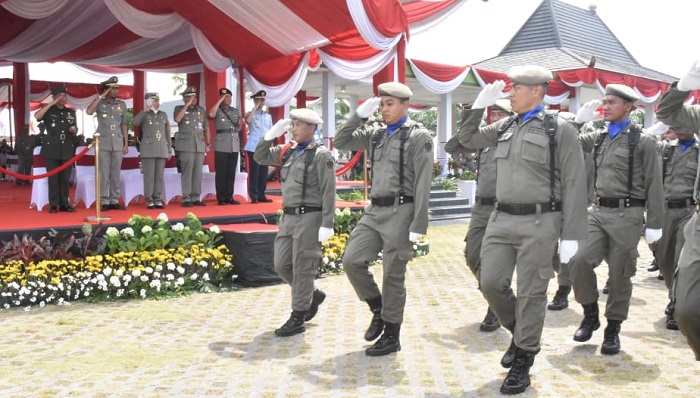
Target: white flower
<point>193,277</point>
<point>149,270</point>
<point>136,273</point>
<point>162,217</point>
<point>120,292</point>
<point>188,261</point>
<point>120,272</point>
<point>114,280</point>
<point>337,211</point>
<point>146,229</point>
<point>100,277</point>
<point>215,229</point>
<point>170,266</point>
<point>107,271</point>
<point>127,278</point>
<point>180,270</point>
<point>128,232</point>
<point>205,276</point>
<point>144,278</point>
<point>156,275</point>
<point>112,232</point>
<point>179,282</point>
<point>203,264</point>
<point>155,284</point>
<point>170,277</point>
<point>142,293</point>
<point>159,267</point>
<point>325,259</point>
<point>178,227</point>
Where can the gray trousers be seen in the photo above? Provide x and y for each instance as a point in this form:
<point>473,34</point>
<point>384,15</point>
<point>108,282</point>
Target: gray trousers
<point>523,244</point>
<point>24,165</point>
<point>613,235</point>
<point>153,169</point>
<point>298,255</point>
<point>687,286</point>
<point>475,235</point>
<point>668,249</point>
<point>110,169</point>
<point>381,228</point>
<point>191,175</point>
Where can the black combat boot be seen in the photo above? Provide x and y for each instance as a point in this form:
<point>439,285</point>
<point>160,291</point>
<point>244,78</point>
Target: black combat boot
<point>611,339</point>
<point>561,299</point>
<point>490,322</point>
<point>518,378</point>
<point>377,324</point>
<point>671,323</point>
<point>388,343</point>
<point>294,325</point>
<point>654,266</point>
<point>509,356</point>
<point>316,300</point>
<point>589,324</point>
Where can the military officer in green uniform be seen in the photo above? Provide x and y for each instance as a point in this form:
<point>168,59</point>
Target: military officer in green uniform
<point>627,180</point>
<point>227,145</point>
<point>308,200</point>
<point>686,289</point>
<point>155,149</point>
<point>58,146</point>
<point>112,120</point>
<point>484,201</point>
<point>401,153</point>
<point>192,144</point>
<point>540,198</point>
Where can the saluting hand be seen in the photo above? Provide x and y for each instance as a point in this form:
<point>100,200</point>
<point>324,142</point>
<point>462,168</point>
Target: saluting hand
<point>588,112</point>
<point>489,95</point>
<point>691,80</point>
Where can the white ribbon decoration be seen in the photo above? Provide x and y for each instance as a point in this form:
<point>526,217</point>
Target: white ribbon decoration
<point>355,70</point>
<point>211,58</point>
<point>367,30</point>
<point>436,86</point>
<point>282,94</point>
<point>142,23</point>
<point>35,9</point>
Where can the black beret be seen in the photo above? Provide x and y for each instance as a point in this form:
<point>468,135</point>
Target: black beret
<point>112,82</point>
<point>58,90</point>
<point>224,91</point>
<point>189,91</point>
<point>259,94</point>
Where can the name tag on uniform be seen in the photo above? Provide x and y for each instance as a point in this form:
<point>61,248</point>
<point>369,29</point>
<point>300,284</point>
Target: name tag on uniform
<point>505,136</point>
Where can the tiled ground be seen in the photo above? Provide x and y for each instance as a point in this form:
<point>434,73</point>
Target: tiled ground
<point>222,345</point>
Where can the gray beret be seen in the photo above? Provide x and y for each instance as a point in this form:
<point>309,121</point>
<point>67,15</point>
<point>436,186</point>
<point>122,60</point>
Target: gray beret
<point>395,89</point>
<point>622,91</point>
<point>502,105</point>
<point>530,75</point>
<point>306,115</point>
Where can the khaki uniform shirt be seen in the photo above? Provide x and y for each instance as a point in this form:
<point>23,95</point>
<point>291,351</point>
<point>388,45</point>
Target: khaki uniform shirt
<point>191,129</point>
<point>681,168</point>
<point>227,138</point>
<point>59,143</point>
<point>155,134</point>
<point>486,172</point>
<point>110,117</point>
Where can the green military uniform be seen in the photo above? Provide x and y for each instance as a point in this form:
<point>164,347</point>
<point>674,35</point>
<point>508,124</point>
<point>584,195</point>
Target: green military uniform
<point>111,116</point>
<point>227,145</point>
<point>191,148</point>
<point>59,147</point>
<point>155,147</point>
<point>687,282</point>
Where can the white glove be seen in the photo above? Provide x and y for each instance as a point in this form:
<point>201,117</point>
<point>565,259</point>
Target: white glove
<point>658,129</point>
<point>489,94</point>
<point>367,108</point>
<point>414,236</point>
<point>691,80</point>
<point>652,235</point>
<point>277,130</point>
<point>588,112</point>
<point>567,250</point>
<point>324,234</point>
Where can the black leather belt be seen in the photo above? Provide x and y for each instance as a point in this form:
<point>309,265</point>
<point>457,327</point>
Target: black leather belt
<point>527,209</point>
<point>615,202</point>
<point>224,131</point>
<point>389,200</point>
<point>301,209</point>
<point>486,201</point>
<point>680,203</point>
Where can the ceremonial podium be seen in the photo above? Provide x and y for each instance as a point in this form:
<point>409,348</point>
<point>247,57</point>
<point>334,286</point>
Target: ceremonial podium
<point>252,247</point>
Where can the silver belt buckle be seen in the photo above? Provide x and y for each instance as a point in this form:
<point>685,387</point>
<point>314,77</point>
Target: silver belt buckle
<point>62,137</point>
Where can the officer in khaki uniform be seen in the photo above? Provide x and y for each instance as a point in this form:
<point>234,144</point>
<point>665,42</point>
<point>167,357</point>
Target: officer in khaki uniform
<point>227,145</point>
<point>627,179</point>
<point>192,144</point>
<point>401,152</point>
<point>483,204</point>
<point>686,289</point>
<point>112,120</point>
<point>155,149</point>
<point>308,200</point>
<point>540,198</point>
<point>58,146</point>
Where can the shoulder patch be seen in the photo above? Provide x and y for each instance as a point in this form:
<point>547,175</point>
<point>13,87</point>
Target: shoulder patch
<point>428,146</point>
<point>330,163</point>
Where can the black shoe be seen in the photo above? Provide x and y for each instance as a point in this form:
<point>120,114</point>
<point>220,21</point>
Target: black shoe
<point>116,206</point>
<point>671,323</point>
<point>294,325</point>
<point>518,378</point>
<point>654,266</point>
<point>222,202</point>
<point>198,203</point>
<point>253,201</point>
<point>266,200</point>
<point>104,207</point>
<point>561,299</point>
<point>233,202</point>
<point>151,205</point>
<point>660,277</point>
<point>186,204</point>
<point>376,325</point>
<point>611,339</point>
<point>606,288</point>
<point>490,322</point>
<point>388,343</point>
<point>53,209</point>
<point>159,205</point>
<point>589,324</point>
<point>509,356</point>
<point>67,209</point>
<point>316,300</point>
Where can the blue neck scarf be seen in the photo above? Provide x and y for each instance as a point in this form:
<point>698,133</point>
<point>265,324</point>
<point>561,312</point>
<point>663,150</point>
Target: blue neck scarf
<point>615,128</point>
<point>687,143</point>
<point>301,146</point>
<point>530,114</point>
<point>391,128</point>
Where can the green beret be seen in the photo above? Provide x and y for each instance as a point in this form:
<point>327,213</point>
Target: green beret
<point>189,91</point>
<point>152,96</point>
<point>530,75</point>
<point>306,115</point>
<point>58,90</point>
<point>622,91</point>
<point>395,89</point>
<point>224,91</point>
<point>112,82</point>
<point>502,105</point>
<point>259,95</point>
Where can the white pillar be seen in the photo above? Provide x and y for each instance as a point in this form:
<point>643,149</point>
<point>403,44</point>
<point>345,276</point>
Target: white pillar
<point>444,129</point>
<point>328,111</point>
<point>649,114</point>
<point>575,103</point>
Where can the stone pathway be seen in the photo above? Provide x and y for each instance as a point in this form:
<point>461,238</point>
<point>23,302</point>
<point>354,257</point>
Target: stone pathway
<point>222,345</point>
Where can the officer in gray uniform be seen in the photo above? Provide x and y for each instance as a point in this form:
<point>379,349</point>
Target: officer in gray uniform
<point>686,289</point>
<point>401,152</point>
<point>58,146</point>
<point>483,203</point>
<point>112,120</point>
<point>627,179</point>
<point>308,200</point>
<point>155,149</point>
<point>227,145</point>
<point>192,144</point>
<point>540,198</point>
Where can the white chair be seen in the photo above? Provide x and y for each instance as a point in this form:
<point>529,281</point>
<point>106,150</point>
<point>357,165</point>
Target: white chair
<point>40,188</point>
<point>131,178</point>
<point>240,186</point>
<point>85,178</point>
<point>172,185</point>
<point>208,182</point>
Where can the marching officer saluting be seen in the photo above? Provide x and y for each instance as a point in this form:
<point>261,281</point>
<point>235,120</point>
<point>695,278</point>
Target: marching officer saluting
<point>308,198</point>
<point>192,144</point>
<point>227,145</point>
<point>58,146</point>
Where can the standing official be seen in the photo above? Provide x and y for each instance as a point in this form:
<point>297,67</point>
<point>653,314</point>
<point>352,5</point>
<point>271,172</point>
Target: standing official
<point>259,122</point>
<point>155,149</point>
<point>308,200</point>
<point>686,288</point>
<point>192,144</point>
<point>58,146</point>
<point>227,145</point>
<point>112,123</point>
<point>540,198</point>
<point>627,180</point>
<point>401,153</point>
<point>25,153</point>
